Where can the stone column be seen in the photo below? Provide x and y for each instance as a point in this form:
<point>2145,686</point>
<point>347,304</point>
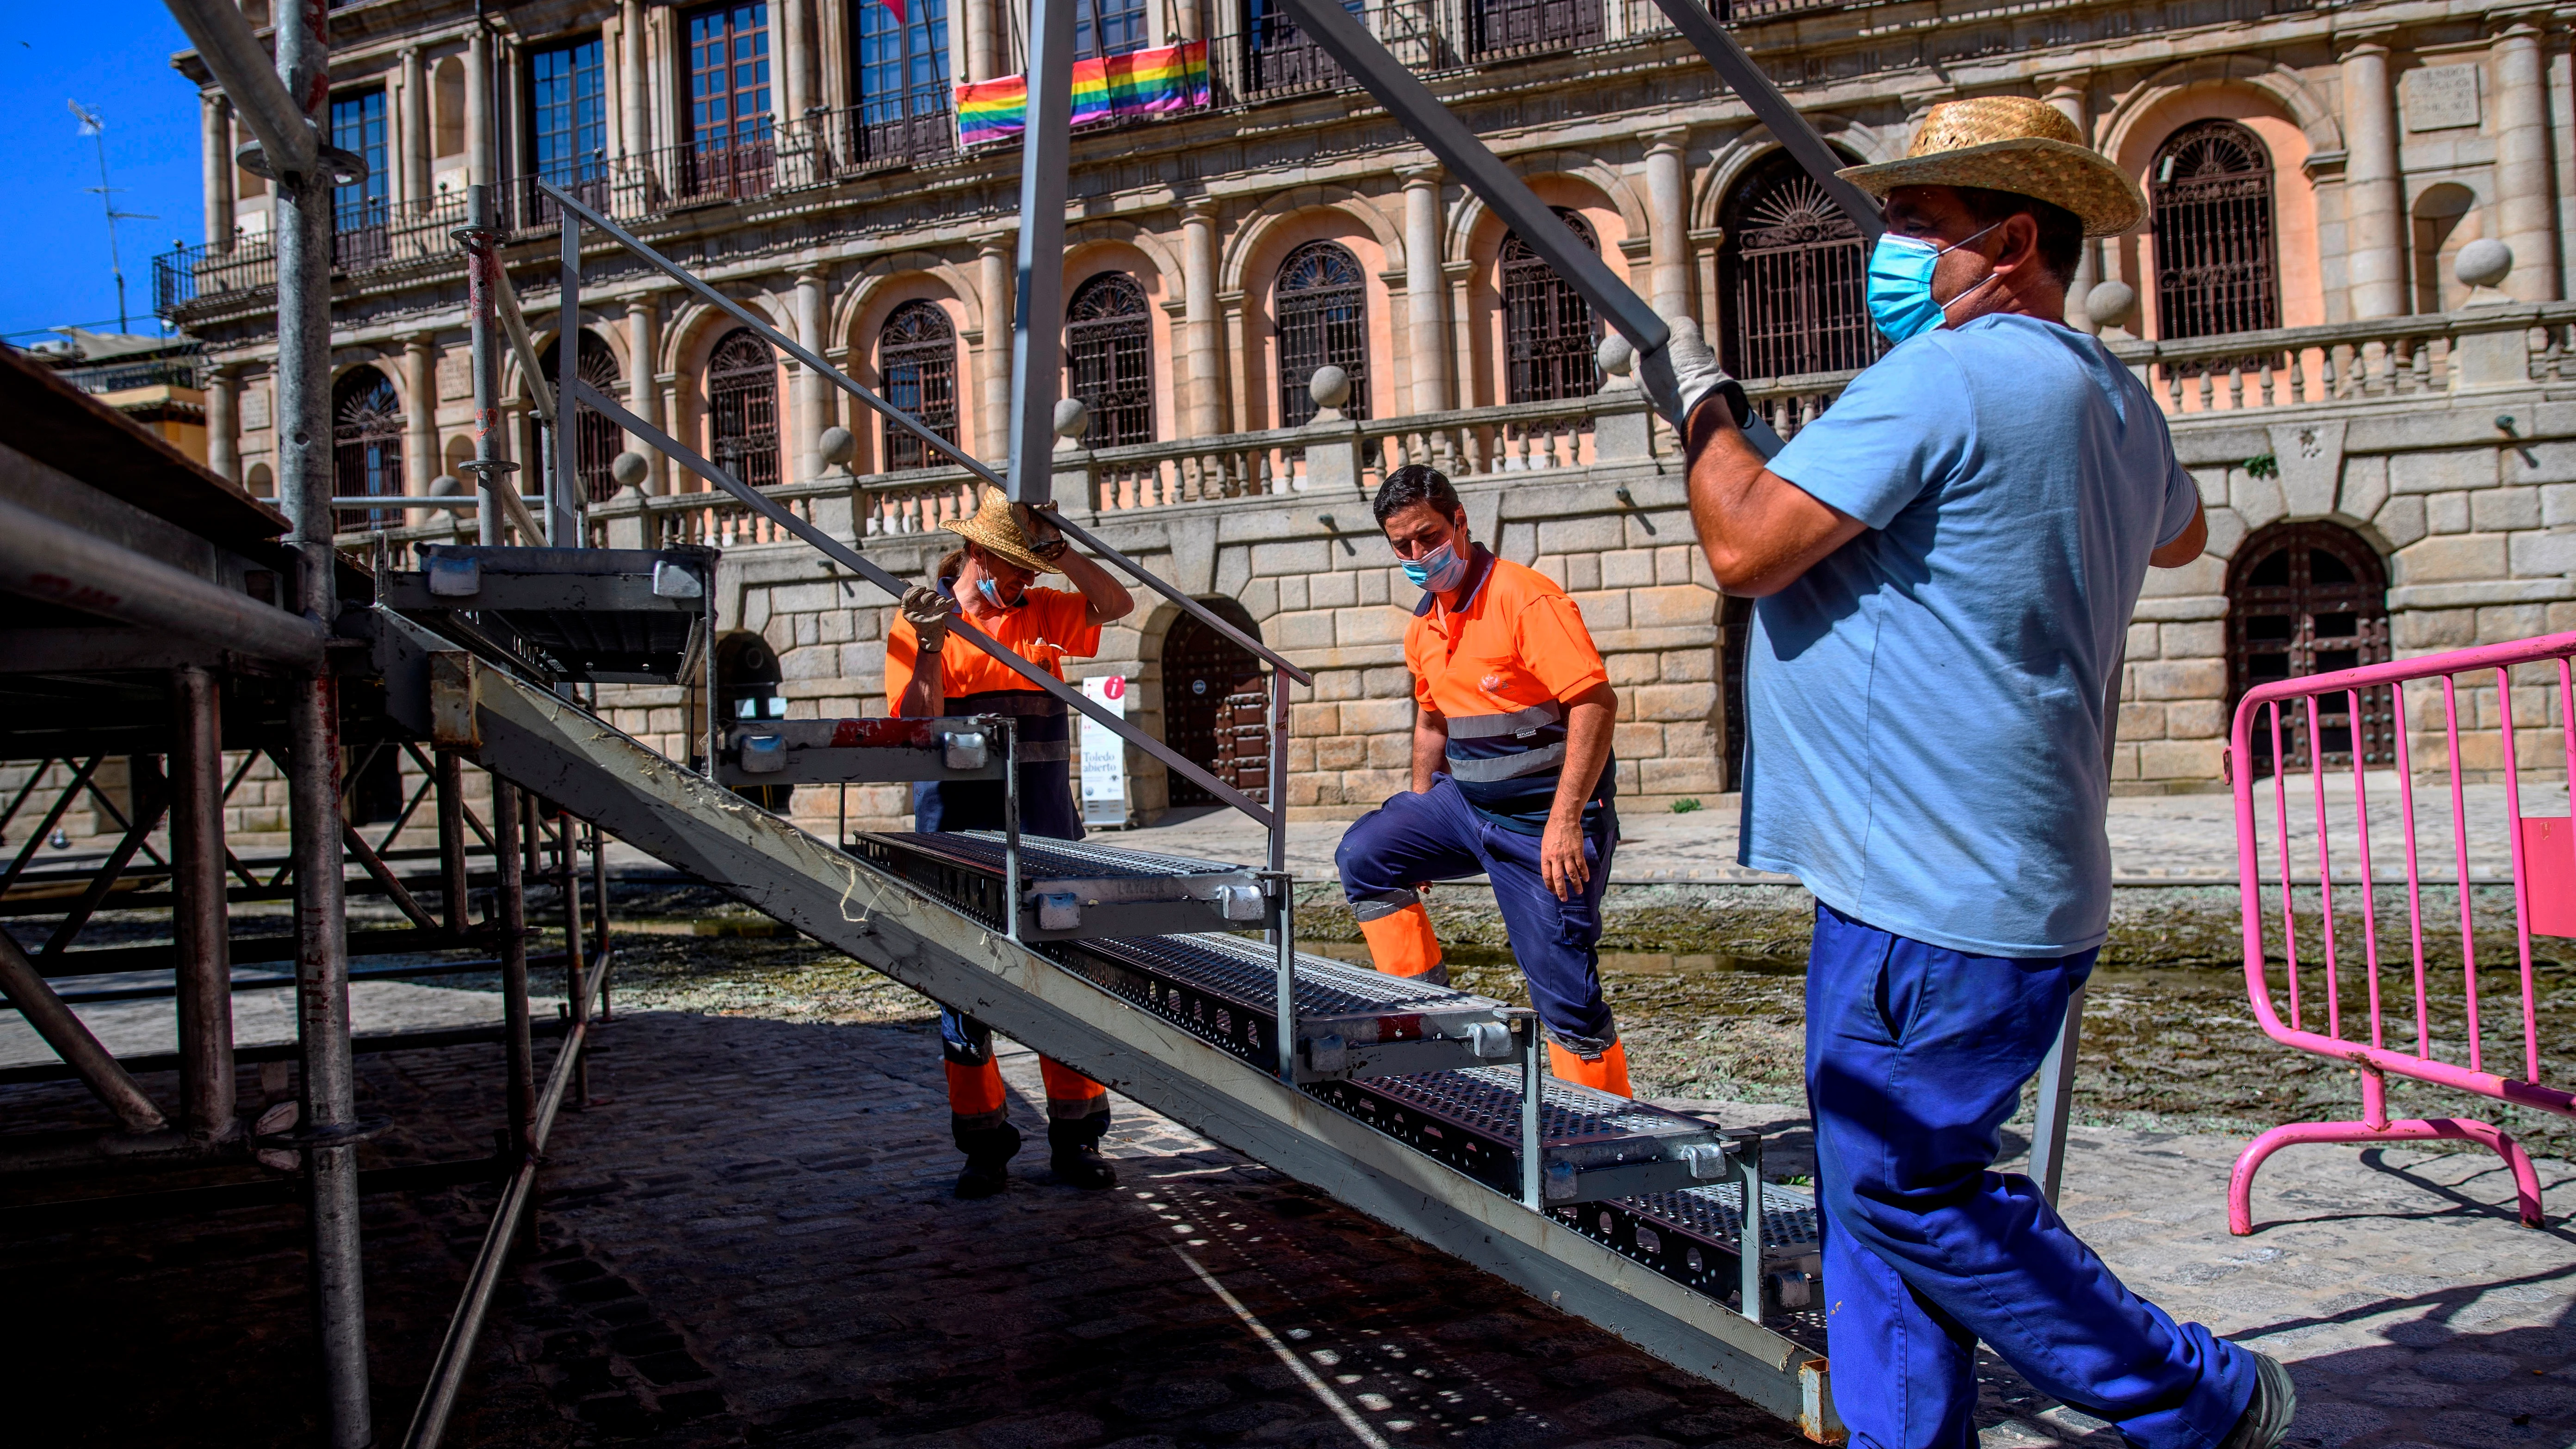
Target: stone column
<point>643,354</point>
<point>983,51</point>
<point>216,119</point>
<point>223,423</point>
<point>809,384</point>
<point>1206,405</point>
<point>2069,100</point>
<point>2373,193</point>
<point>478,107</point>
<point>415,127</point>
<point>1185,17</point>
<point>796,52</point>
<point>420,415</point>
<point>635,133</point>
<point>1462,323</point>
<point>2525,209</point>
<point>1426,323</point>
<point>1667,222</point>
<point>993,262</point>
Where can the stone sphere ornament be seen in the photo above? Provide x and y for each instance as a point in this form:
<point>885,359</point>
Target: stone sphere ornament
<point>1615,355</point>
<point>2112,304</point>
<point>838,446</point>
<point>1330,387</point>
<point>446,485</point>
<point>1072,418</point>
<point>2483,263</point>
<point>629,468</point>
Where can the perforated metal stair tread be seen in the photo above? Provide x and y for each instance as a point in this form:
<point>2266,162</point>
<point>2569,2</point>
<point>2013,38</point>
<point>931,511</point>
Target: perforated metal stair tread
<point>1070,890</point>
<point>585,614</point>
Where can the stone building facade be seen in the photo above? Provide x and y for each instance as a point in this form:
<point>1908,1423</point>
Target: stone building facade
<point>2308,301</point>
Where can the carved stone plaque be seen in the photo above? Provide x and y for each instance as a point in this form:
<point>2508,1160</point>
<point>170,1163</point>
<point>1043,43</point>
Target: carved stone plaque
<point>2441,97</point>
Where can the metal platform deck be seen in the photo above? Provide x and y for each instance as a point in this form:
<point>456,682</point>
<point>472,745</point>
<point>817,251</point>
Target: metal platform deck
<point>582,615</point>
<point>1070,890</point>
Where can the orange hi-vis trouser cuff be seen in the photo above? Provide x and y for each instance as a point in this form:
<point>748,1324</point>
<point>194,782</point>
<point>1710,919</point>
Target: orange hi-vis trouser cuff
<point>1608,1071</point>
<point>976,1099</point>
<point>1400,939</point>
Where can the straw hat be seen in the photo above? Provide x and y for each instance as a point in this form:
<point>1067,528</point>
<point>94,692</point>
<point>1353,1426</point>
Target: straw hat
<point>996,525</point>
<point>2015,144</point>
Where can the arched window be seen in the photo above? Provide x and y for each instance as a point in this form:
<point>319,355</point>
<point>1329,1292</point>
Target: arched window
<point>2310,598</point>
<point>1212,705</point>
<point>1323,321</point>
<point>917,361</point>
<point>599,440</point>
<point>742,407</point>
<point>2216,272</point>
<point>1792,274</point>
<point>1548,331</point>
<point>1109,350</point>
<point>366,446</point>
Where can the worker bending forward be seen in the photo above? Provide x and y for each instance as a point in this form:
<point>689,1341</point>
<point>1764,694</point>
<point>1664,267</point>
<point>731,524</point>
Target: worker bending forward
<point>929,674</point>
<point>1511,776</point>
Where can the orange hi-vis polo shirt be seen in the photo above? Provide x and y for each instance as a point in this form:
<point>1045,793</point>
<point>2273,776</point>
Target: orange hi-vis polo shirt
<point>1500,669</point>
<point>1049,627</point>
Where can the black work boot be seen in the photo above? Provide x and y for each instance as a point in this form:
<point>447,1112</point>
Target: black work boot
<point>1076,1153</point>
<point>989,1151</point>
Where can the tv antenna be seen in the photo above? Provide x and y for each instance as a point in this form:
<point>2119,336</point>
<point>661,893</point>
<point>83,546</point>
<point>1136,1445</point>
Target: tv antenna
<point>92,124</point>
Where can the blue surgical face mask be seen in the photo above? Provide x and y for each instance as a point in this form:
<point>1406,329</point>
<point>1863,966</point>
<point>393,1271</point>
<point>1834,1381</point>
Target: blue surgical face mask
<point>993,595</point>
<point>1900,285</point>
<point>1438,571</point>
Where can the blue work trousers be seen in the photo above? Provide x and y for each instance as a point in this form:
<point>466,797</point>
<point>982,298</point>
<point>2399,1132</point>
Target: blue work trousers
<point>1916,1055</point>
<point>1437,836</point>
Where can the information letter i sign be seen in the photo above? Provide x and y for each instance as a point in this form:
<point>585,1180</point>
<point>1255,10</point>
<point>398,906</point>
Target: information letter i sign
<point>1104,758</point>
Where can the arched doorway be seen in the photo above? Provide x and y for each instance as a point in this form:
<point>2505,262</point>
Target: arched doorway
<point>2310,598</point>
<point>1109,350</point>
<point>366,447</point>
<point>917,362</point>
<point>1549,332</point>
<point>599,440</point>
<point>1792,272</point>
<point>747,680</point>
<point>1215,706</point>
<point>742,407</point>
<point>2210,188</point>
<point>1321,308</point>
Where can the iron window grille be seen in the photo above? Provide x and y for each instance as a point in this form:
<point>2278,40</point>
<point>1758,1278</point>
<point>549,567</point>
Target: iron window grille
<point>1109,349</point>
<point>1279,58</point>
<point>1549,332</point>
<point>1793,274</point>
<point>1322,313</point>
<point>360,209</point>
<point>1524,27</point>
<point>2310,598</point>
<point>742,407</point>
<point>903,109</point>
<point>596,445</point>
<point>2217,268</point>
<point>917,367</point>
<point>366,447</point>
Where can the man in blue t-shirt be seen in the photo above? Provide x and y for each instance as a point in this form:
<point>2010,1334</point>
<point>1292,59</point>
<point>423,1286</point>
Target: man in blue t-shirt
<point>1945,563</point>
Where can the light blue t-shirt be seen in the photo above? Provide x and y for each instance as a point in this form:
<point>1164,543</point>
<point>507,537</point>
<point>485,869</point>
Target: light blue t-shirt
<point>1925,706</point>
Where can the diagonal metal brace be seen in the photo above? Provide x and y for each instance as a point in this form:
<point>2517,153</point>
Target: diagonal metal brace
<point>1773,110</point>
<point>849,558</point>
<point>1348,41</point>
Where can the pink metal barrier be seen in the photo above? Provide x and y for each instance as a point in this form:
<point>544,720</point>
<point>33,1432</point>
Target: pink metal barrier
<point>2301,882</point>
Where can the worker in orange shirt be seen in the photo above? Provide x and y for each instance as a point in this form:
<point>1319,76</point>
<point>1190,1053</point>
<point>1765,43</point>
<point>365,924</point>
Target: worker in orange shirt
<point>928,675</point>
<point>1512,776</point>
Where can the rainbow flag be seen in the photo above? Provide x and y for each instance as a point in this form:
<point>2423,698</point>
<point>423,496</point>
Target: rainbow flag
<point>1139,83</point>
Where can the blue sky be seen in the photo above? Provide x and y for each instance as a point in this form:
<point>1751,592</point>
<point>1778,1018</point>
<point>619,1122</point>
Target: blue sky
<point>112,56</point>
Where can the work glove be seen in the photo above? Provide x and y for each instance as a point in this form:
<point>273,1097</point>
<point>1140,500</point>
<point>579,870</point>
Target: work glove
<point>926,610</point>
<point>1045,539</point>
<point>1684,373</point>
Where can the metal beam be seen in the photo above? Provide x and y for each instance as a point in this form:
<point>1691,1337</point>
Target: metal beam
<point>1773,110</point>
<point>232,51</point>
<point>72,1041</point>
<point>59,564</point>
<point>696,826</point>
<point>198,919</point>
<point>1346,39</point>
<point>847,557</point>
<point>1037,305</point>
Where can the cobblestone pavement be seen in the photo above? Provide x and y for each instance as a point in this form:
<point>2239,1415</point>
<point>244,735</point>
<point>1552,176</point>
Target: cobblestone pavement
<point>749,1240</point>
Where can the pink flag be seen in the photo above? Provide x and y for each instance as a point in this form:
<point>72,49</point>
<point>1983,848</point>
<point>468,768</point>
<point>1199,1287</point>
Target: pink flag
<point>896,7</point>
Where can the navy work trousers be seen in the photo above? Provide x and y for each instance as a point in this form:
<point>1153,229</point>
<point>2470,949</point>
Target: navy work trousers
<point>1438,836</point>
<point>1916,1055</point>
